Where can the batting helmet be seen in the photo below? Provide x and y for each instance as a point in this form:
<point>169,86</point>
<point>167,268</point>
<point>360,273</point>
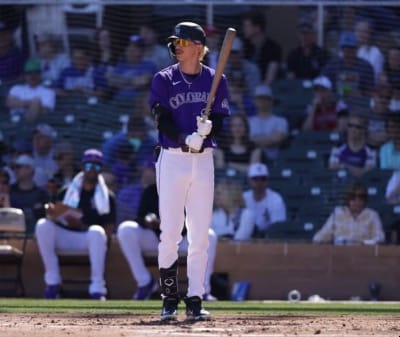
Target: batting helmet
<point>189,31</point>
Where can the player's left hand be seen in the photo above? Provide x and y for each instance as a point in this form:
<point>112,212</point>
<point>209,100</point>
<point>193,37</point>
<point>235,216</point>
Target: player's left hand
<point>203,126</point>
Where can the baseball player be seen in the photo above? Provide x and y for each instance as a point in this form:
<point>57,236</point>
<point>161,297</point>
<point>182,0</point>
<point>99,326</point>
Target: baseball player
<point>185,168</point>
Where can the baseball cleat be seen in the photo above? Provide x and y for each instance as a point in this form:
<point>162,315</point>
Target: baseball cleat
<point>194,310</point>
<point>144,293</point>
<point>169,310</point>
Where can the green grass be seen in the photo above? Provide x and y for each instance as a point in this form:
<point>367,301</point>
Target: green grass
<point>10,305</point>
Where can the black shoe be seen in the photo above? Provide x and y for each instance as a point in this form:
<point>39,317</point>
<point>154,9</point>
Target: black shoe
<point>169,310</point>
<point>194,310</point>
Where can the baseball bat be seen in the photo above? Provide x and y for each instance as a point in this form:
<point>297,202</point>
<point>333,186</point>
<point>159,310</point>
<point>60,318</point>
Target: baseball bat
<point>219,70</point>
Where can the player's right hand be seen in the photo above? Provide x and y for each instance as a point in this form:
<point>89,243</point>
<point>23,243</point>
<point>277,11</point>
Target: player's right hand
<point>194,141</point>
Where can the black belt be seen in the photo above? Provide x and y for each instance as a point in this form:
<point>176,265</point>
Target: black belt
<point>184,148</point>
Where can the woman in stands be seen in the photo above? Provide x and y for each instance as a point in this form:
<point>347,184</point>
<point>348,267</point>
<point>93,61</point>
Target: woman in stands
<point>354,222</point>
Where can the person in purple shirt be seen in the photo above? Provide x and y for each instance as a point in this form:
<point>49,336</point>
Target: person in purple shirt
<point>185,167</point>
<point>11,58</point>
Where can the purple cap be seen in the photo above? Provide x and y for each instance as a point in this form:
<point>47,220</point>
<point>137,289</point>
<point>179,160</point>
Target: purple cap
<point>92,156</point>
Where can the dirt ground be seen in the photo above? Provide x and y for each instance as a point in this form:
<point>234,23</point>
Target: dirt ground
<point>60,325</point>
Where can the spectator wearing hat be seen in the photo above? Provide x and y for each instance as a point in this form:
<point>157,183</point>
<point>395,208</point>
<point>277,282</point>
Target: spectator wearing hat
<point>243,76</point>
<point>30,99</point>
<point>259,48</point>
<point>125,152</point>
<point>267,130</point>
<point>25,193</point>
<point>52,59</point>
<point>213,35</point>
<point>11,58</point>
<point>153,50</point>
<point>267,205</point>
<point>322,113</point>
<point>307,60</point>
<point>88,229</point>
<point>81,78</point>
<point>350,75</point>
<point>133,74</point>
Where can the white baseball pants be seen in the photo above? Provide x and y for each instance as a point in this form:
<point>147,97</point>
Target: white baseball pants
<point>135,240</point>
<point>185,183</point>
<point>51,238</point>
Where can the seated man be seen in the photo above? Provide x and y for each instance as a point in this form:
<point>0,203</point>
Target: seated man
<point>89,194</point>
<point>136,237</point>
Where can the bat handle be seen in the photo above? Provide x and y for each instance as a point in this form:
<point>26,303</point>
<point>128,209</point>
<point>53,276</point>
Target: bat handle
<point>204,115</point>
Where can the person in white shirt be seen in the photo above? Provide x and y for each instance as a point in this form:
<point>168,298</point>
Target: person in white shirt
<point>267,205</point>
<point>231,218</point>
<point>366,51</point>
<point>30,99</point>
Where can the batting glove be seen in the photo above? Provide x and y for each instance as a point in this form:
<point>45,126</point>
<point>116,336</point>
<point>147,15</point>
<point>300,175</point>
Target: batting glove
<point>203,126</point>
<point>194,141</point>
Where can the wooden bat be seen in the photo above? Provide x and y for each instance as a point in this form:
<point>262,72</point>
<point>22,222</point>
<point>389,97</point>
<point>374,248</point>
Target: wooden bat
<point>219,70</point>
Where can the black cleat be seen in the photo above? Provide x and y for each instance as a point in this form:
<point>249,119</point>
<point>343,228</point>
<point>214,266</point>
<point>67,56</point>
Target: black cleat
<point>194,310</point>
<point>169,310</point>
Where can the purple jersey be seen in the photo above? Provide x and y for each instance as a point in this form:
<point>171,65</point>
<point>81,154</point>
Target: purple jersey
<point>186,101</point>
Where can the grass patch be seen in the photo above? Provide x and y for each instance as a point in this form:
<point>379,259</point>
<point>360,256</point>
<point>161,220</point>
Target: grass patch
<point>10,305</point>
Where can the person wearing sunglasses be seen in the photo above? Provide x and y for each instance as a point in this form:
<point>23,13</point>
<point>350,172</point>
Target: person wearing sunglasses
<point>353,222</point>
<point>267,205</point>
<point>87,226</point>
<point>354,154</point>
<point>185,166</point>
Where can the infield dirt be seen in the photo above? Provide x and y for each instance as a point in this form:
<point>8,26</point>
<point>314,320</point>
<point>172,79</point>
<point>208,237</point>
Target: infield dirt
<point>114,325</point>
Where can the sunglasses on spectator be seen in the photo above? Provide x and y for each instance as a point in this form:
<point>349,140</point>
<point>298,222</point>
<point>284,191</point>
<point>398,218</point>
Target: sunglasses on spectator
<point>353,196</point>
<point>355,126</point>
<point>92,166</point>
<point>182,42</point>
<point>18,166</point>
<point>260,178</point>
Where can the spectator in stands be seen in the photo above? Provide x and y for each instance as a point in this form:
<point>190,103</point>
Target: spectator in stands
<point>4,188</point>
<point>391,68</point>
<point>308,59</point>
<point>11,58</point>
<point>350,75</point>
<point>389,153</point>
<point>354,154</point>
<point>52,60</point>
<point>322,113</point>
<point>68,168</point>
<point>213,35</point>
<point>88,193</point>
<point>392,193</point>
<point>128,196</point>
<point>243,76</point>
<point>133,74</point>
<point>141,236</point>
<point>25,194</point>
<point>81,78</point>
<point>105,54</point>
<point>366,50</point>
<point>267,130</point>
<point>237,151</point>
<point>260,49</point>
<point>154,52</point>
<point>30,99</point>
<point>134,145</point>
<point>43,140</point>
<point>267,205</point>
<point>377,133</point>
<point>231,219</point>
<point>354,222</point>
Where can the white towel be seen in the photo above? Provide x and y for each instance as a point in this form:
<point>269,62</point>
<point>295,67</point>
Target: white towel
<point>101,198</point>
